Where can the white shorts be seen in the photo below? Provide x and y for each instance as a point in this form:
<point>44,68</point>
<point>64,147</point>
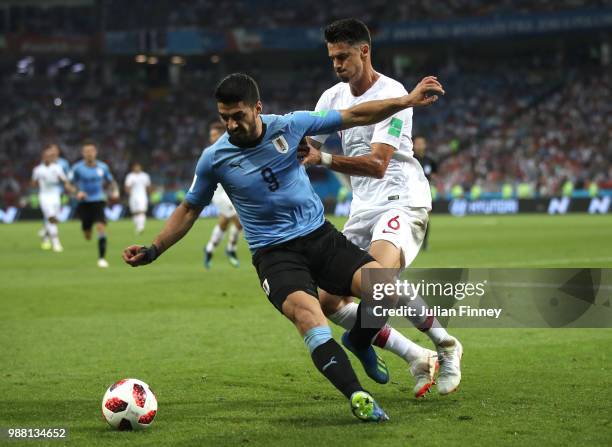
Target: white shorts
<point>224,206</point>
<point>404,227</point>
<point>50,206</point>
<point>138,204</point>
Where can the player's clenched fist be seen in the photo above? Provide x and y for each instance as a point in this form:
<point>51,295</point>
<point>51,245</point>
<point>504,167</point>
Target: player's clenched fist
<point>136,255</point>
<point>426,92</point>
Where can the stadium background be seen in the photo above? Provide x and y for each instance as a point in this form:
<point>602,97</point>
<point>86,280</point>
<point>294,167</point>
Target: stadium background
<point>527,115</point>
<point>527,109</point>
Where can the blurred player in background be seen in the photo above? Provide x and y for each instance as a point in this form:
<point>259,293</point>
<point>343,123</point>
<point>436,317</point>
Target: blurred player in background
<point>227,214</point>
<point>54,154</point>
<point>391,197</point>
<point>49,177</point>
<point>138,186</point>
<point>90,178</point>
<point>56,157</point>
<point>430,167</point>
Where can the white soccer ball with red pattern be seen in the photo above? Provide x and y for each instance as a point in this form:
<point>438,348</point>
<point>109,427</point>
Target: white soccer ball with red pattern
<point>129,405</point>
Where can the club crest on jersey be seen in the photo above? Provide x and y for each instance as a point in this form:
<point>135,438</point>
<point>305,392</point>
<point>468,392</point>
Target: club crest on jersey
<point>281,144</point>
<point>100,172</point>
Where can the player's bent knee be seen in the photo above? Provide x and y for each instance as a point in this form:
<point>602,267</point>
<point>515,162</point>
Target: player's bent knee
<point>385,276</point>
<point>330,304</point>
<point>304,311</point>
<point>356,289</point>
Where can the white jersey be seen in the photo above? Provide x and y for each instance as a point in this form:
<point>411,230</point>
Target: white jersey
<point>404,183</point>
<point>50,180</point>
<point>223,203</point>
<point>138,184</point>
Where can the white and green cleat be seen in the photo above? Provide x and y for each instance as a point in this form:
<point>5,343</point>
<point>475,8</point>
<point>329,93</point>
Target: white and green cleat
<point>365,408</point>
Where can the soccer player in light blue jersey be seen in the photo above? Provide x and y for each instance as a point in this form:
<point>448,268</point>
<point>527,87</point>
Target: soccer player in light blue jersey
<point>91,177</point>
<point>294,248</point>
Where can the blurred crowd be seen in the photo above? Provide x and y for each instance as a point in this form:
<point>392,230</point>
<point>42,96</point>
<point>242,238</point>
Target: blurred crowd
<point>564,138</point>
<point>538,126</point>
<point>214,14</point>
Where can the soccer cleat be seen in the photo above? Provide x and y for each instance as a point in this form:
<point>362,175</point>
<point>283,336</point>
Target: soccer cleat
<point>45,245</point>
<point>57,248</point>
<point>424,370</point>
<point>365,408</point>
<point>374,366</point>
<point>233,259</point>
<point>449,355</point>
<point>207,260</point>
<point>102,263</point>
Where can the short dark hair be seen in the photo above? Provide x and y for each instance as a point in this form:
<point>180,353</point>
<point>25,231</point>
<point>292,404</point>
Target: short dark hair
<point>237,87</point>
<point>349,31</point>
<point>88,142</point>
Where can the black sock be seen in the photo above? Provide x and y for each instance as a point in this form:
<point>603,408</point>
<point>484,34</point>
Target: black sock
<point>332,361</point>
<point>102,246</point>
<point>359,336</point>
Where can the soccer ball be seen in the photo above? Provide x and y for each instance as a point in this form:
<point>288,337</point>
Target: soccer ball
<point>129,405</point>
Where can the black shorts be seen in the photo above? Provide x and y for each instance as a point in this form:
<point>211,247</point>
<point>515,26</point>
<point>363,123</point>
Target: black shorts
<point>323,258</point>
<point>91,212</point>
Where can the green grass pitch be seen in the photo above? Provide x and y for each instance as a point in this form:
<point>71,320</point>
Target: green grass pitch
<point>229,370</point>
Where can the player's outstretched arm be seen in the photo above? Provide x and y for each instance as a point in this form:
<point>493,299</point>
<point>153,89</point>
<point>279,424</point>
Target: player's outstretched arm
<point>425,93</point>
<point>177,226</point>
<point>114,190</point>
<point>69,187</point>
<point>373,164</point>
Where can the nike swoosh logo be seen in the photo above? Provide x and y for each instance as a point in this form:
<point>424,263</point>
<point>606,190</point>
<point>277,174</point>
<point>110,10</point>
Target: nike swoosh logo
<point>385,231</point>
<point>331,362</point>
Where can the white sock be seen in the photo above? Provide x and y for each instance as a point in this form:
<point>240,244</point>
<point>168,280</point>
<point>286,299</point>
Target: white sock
<point>396,343</point>
<point>233,238</point>
<point>437,335</point>
<point>346,316</point>
<point>215,238</point>
<point>53,233</point>
<point>399,345</point>
<point>44,231</point>
<point>428,325</point>
<point>139,221</point>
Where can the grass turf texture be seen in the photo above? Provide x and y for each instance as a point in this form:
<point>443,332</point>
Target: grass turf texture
<point>229,370</point>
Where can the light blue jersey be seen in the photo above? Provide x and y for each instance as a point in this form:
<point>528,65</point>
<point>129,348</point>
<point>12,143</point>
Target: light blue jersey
<point>91,179</point>
<point>266,183</point>
<point>64,164</point>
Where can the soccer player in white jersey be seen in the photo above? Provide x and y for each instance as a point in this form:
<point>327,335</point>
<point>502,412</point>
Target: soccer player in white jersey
<point>54,153</point>
<point>49,178</point>
<point>137,186</point>
<point>227,214</point>
<point>391,197</point>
